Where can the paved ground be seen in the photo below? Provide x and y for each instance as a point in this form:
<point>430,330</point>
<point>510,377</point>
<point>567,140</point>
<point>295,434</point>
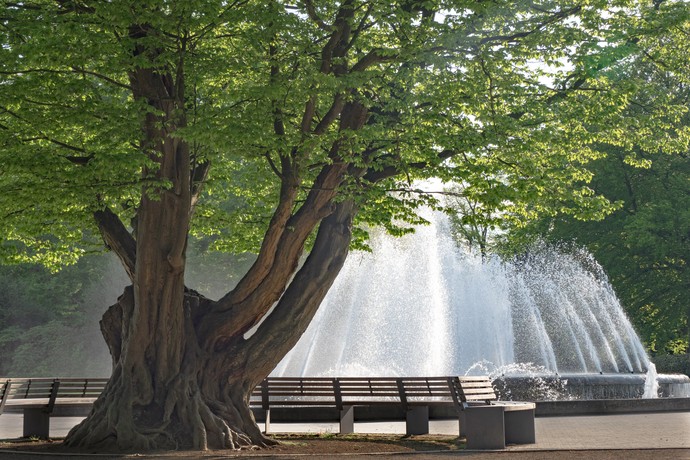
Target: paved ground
<point>633,436</point>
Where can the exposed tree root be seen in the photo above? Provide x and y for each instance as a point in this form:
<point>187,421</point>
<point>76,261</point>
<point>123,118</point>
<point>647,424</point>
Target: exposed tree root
<point>185,420</point>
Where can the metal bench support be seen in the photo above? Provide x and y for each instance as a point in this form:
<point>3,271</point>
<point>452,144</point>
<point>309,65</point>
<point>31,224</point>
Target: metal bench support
<point>36,423</point>
<point>267,421</point>
<point>417,420</point>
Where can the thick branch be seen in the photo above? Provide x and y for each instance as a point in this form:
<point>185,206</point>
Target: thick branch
<point>287,322</point>
<point>263,285</point>
<point>313,15</point>
<point>339,38</point>
<point>265,282</point>
<point>269,248</point>
<point>281,226</point>
<point>117,239</point>
<point>309,112</point>
<point>331,115</point>
<point>371,58</point>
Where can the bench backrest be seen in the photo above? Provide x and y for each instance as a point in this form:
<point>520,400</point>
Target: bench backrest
<point>27,388</point>
<point>290,390</point>
<point>352,390</point>
<point>50,389</point>
<point>476,389</point>
<point>307,390</point>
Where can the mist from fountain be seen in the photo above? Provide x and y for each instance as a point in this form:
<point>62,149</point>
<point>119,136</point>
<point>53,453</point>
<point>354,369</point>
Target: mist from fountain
<point>419,305</point>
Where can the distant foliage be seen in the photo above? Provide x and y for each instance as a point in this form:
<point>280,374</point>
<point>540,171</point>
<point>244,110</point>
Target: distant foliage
<point>644,244</point>
<point>49,321</point>
<point>673,364</point>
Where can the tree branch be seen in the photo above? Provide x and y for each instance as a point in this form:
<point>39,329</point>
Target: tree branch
<point>311,12</point>
<point>266,280</point>
<point>514,37</point>
<point>198,177</point>
<point>371,58</point>
<point>340,36</point>
<point>117,239</point>
<point>331,115</point>
<point>72,71</point>
<point>284,326</point>
<point>390,171</point>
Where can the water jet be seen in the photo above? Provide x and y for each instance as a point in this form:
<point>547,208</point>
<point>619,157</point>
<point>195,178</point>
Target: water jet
<point>420,305</point>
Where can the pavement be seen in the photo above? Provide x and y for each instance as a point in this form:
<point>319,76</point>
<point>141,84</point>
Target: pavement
<point>657,435</point>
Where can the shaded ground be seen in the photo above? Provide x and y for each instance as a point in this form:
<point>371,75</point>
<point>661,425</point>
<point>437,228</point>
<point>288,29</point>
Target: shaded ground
<point>346,446</point>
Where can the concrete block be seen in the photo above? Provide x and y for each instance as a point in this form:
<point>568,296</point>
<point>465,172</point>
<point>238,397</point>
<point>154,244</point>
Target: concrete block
<point>519,426</point>
<point>485,427</point>
<point>347,420</point>
<point>36,423</point>
<point>417,420</point>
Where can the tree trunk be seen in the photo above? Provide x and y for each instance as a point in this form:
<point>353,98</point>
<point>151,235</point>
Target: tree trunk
<point>173,389</point>
<point>184,367</point>
<point>198,401</point>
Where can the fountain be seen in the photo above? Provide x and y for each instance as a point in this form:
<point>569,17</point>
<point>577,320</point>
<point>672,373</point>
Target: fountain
<point>419,305</point>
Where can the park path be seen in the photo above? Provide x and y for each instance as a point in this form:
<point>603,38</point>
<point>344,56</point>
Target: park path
<point>632,436</point>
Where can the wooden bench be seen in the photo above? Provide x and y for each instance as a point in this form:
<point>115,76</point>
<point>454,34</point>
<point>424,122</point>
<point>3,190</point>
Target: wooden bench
<point>413,394</point>
<point>490,424</point>
<point>42,398</point>
<point>484,421</point>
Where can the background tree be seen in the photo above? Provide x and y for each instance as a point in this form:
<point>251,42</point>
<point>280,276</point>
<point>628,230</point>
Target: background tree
<point>644,245</point>
<point>49,322</point>
<point>278,127</point>
<point>472,225</point>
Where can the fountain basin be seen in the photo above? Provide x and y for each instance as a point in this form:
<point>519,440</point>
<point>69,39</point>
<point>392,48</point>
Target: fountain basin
<point>674,385</point>
<point>582,386</point>
<point>611,406</point>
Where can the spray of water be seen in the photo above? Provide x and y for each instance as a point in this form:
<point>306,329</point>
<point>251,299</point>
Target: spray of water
<point>419,305</point>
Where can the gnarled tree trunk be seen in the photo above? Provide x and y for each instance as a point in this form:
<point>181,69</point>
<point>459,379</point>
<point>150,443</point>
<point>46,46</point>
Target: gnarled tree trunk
<point>174,389</point>
<point>184,366</point>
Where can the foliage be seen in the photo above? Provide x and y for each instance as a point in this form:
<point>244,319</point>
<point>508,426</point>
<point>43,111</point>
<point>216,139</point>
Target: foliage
<point>645,245</point>
<point>672,364</point>
<point>514,98</point>
<point>57,349</point>
<point>467,82</point>
<point>517,98</point>
<point>255,125</point>
<point>49,322</point>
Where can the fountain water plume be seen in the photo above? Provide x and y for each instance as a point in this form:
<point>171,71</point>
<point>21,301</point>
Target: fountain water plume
<point>419,305</point>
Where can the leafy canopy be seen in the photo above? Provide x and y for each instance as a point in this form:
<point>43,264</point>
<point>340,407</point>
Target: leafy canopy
<point>507,99</point>
<point>643,167</point>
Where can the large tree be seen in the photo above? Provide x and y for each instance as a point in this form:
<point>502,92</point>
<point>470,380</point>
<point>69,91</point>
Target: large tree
<point>284,126</point>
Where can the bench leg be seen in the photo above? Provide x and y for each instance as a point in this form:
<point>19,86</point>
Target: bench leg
<point>462,425</point>
<point>485,428</point>
<point>520,427</point>
<point>347,420</point>
<point>267,423</point>
<point>36,423</point>
<point>417,420</point>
